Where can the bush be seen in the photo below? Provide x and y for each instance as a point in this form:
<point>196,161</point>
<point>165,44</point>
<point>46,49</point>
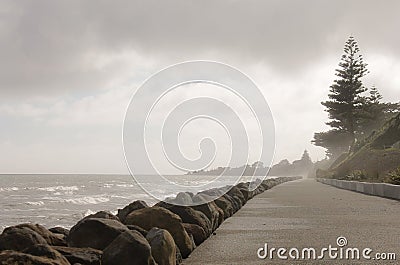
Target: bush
<point>394,176</point>
<point>357,175</point>
<point>321,173</point>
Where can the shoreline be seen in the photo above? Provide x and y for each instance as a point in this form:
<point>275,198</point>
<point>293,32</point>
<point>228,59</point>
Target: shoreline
<point>63,200</point>
<point>164,233</point>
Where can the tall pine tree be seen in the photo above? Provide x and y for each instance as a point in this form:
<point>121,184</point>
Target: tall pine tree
<point>373,112</point>
<point>345,102</point>
<point>305,158</point>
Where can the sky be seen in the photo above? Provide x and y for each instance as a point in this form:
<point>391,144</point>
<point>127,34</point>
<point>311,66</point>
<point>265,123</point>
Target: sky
<point>69,69</point>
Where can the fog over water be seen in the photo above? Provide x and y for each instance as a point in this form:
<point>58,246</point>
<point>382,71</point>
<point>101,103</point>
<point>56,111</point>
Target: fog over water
<point>69,69</point>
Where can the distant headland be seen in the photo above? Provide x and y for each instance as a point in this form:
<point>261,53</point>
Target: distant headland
<point>304,166</point>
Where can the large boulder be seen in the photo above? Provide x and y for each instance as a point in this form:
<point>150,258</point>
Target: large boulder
<point>214,192</point>
<point>19,238</point>
<point>47,252</point>
<point>271,182</point>
<point>95,233</point>
<point>244,189</point>
<point>128,248</point>
<point>87,256</point>
<point>235,192</point>
<point>163,248</point>
<point>264,185</point>
<point>104,215</point>
<point>225,205</point>
<point>189,215</point>
<point>202,199</point>
<point>212,212</point>
<point>182,198</point>
<point>136,205</point>
<point>261,187</point>
<point>51,238</point>
<point>198,233</point>
<point>235,202</point>
<point>148,218</point>
<point>11,257</point>
<point>59,230</point>
<point>137,228</point>
<point>243,185</point>
<point>246,193</point>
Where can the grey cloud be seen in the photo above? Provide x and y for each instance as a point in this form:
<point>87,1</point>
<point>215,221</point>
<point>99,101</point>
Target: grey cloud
<point>71,52</point>
<point>43,44</point>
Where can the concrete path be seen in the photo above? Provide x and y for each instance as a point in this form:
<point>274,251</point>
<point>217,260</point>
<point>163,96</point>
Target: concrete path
<point>303,214</point>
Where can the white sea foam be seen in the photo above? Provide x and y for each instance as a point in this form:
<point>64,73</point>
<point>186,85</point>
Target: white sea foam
<point>78,200</point>
<point>88,200</point>
<point>88,212</point>
<point>59,188</point>
<point>37,203</point>
<point>114,212</point>
<point>125,185</point>
<point>9,189</point>
<point>53,199</point>
<point>121,197</point>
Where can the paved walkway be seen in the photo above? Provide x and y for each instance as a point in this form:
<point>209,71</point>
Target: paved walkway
<point>303,214</point>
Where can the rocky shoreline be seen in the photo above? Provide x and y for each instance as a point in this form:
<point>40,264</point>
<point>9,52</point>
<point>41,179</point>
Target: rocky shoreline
<point>163,234</point>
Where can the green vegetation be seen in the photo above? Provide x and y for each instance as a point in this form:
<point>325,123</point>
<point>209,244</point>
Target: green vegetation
<point>394,176</point>
<point>364,139</point>
<point>346,102</point>
<point>352,114</point>
<point>357,175</point>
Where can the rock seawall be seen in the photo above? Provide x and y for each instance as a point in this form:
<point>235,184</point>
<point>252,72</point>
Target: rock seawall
<point>163,234</point>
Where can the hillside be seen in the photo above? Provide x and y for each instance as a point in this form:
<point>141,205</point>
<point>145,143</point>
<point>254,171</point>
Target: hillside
<point>371,159</point>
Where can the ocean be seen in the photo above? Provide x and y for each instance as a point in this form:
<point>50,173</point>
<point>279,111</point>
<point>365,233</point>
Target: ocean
<point>62,200</point>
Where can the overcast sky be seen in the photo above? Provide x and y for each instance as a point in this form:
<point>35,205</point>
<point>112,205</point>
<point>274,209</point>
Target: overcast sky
<point>69,68</point>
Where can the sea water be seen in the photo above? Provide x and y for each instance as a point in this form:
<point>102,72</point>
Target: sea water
<point>62,200</point>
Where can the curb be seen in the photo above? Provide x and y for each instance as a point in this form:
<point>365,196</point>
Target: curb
<point>384,190</point>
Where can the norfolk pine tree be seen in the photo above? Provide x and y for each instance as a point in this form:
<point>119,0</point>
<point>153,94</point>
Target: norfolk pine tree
<point>345,102</point>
